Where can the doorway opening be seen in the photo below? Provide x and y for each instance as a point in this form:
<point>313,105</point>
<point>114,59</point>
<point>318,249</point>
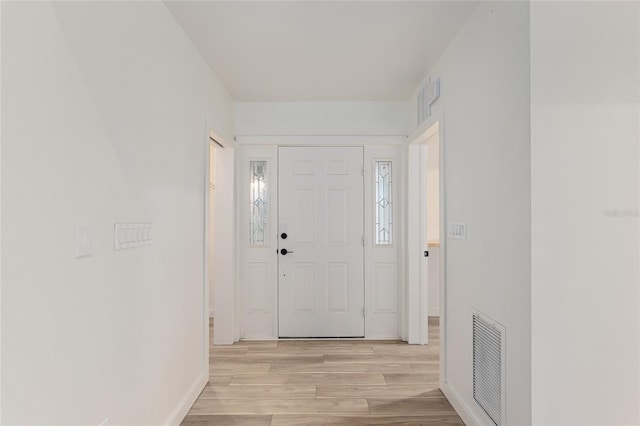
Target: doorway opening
<point>431,233</point>
<point>427,248</point>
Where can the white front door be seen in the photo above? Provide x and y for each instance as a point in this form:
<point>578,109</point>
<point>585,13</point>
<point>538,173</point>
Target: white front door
<point>320,213</point>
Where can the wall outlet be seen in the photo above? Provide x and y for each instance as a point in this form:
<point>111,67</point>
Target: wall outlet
<point>457,230</point>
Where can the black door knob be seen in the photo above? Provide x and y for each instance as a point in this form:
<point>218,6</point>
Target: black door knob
<point>283,235</point>
<point>285,251</point>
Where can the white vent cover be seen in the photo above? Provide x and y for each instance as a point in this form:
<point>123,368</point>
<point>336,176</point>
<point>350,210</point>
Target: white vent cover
<point>427,95</point>
<point>488,367</point>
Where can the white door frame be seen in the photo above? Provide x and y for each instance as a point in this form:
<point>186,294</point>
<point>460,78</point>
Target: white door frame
<point>432,127</point>
<point>416,291</point>
<point>416,201</point>
<point>205,253</point>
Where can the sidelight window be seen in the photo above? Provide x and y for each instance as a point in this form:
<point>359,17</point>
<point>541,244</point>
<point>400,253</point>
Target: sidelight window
<point>259,193</point>
<point>384,202</point>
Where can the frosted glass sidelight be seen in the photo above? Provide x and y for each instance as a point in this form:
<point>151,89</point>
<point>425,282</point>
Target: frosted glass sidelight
<point>384,203</point>
<point>258,193</point>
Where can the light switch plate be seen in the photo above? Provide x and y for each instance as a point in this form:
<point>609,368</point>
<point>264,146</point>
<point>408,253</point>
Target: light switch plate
<point>457,230</point>
<point>130,235</point>
<point>84,241</point>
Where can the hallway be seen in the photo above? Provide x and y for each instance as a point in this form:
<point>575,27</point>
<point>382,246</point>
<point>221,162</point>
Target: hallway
<point>324,382</point>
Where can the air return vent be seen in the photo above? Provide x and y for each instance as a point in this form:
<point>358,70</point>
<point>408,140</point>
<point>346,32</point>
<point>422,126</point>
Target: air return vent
<point>429,93</point>
<point>488,367</point>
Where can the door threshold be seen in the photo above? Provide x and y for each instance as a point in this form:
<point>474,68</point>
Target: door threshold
<point>323,338</point>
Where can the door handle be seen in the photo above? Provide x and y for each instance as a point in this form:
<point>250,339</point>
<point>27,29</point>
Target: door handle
<point>285,251</point>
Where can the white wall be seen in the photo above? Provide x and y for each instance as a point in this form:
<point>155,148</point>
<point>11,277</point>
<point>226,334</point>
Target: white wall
<point>224,276</point>
<point>104,108</point>
<point>320,118</point>
<point>484,107</point>
<point>585,191</point>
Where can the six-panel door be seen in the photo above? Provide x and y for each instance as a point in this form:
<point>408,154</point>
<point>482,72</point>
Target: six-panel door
<point>320,209</point>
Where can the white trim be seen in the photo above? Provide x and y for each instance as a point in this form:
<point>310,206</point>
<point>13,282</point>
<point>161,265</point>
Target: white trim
<point>442,312</point>
<point>413,306</point>
<point>215,137</point>
<point>0,238</point>
<point>237,247</point>
<point>180,412</point>
<point>205,248</point>
<point>425,131</point>
<point>259,338</point>
<point>320,140</point>
<point>205,252</point>
<point>403,263</point>
<point>211,313</point>
<point>464,411</point>
<point>424,245</point>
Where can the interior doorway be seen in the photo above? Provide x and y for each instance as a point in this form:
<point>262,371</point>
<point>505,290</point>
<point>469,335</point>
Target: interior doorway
<point>431,232</point>
<point>425,249</point>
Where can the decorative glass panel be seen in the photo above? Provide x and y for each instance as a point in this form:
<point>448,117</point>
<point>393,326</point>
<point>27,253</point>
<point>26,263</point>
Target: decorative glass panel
<point>384,203</point>
<point>259,207</point>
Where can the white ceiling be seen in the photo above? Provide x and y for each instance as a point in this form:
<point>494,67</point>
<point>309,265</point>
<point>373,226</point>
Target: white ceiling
<point>321,50</point>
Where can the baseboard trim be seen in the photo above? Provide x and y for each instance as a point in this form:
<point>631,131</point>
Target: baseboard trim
<point>210,313</point>
<point>463,410</point>
<point>178,415</point>
<point>381,337</point>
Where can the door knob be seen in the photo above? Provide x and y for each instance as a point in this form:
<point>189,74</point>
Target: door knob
<point>285,251</point>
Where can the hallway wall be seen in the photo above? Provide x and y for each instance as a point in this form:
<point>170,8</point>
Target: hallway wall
<point>372,119</point>
<point>484,108</point>
<point>585,86</point>
<point>104,108</point>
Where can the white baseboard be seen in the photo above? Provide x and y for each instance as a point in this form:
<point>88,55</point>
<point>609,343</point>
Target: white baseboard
<point>178,415</point>
<point>434,311</point>
<point>381,337</point>
<point>210,313</point>
<point>258,337</point>
<point>466,414</point>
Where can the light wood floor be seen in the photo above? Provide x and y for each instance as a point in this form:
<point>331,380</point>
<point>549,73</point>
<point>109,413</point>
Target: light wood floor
<point>324,382</point>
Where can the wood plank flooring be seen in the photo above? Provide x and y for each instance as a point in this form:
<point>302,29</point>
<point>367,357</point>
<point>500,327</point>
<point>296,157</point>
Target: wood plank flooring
<point>324,382</point>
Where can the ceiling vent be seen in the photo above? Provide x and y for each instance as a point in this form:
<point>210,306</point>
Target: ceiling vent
<point>488,367</point>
